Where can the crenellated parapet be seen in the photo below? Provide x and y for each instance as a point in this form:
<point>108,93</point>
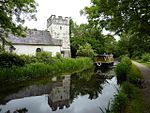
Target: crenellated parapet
<point>57,20</point>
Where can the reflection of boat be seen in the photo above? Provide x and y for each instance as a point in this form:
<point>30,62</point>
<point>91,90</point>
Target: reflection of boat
<point>104,60</point>
<point>103,74</point>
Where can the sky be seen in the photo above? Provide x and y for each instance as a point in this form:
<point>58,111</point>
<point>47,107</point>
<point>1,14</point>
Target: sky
<point>65,8</point>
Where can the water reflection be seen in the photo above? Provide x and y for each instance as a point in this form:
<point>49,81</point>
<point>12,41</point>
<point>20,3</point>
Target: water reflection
<point>81,92</point>
<point>59,97</point>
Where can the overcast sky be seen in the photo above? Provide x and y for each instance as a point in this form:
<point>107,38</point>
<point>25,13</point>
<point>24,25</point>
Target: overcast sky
<point>66,8</point>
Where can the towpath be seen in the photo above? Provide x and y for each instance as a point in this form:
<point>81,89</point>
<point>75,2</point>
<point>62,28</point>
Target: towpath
<point>145,71</point>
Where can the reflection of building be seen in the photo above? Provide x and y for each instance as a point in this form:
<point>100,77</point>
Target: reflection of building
<point>59,96</point>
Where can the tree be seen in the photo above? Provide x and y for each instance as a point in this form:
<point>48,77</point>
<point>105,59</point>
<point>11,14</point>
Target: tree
<point>13,14</point>
<point>86,51</point>
<point>85,33</point>
<point>130,17</point>
<point>120,15</point>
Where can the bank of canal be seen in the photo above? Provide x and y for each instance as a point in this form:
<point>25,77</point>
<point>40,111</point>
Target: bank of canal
<point>82,92</point>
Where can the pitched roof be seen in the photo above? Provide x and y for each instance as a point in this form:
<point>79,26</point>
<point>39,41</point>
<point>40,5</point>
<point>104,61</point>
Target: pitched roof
<point>35,37</point>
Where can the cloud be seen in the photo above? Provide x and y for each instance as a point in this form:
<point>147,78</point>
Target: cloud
<point>65,8</point>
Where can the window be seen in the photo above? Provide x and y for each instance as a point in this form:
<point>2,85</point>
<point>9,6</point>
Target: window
<point>60,28</point>
<point>38,50</point>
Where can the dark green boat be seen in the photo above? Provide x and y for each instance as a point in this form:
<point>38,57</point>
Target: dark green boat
<point>104,60</point>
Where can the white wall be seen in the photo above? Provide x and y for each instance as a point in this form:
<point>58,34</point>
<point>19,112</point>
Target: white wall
<point>31,49</point>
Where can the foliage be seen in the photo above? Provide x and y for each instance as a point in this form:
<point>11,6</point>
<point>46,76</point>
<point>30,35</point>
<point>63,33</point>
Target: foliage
<point>134,102</point>
<point>1,49</point>
<point>13,11</point>
<point>126,60</point>
<point>147,64</point>
<point>86,33</point>
<point>122,47</point>
<point>44,57</point>
<point>146,57</point>
<point>121,71</point>
<point>120,16</point>
<point>29,59</point>
<point>10,60</point>
<point>58,55</point>
<point>127,18</point>
<point>128,100</point>
<point>36,70</point>
<point>119,103</point>
<point>134,75</point>
<point>86,51</point>
<point>123,68</point>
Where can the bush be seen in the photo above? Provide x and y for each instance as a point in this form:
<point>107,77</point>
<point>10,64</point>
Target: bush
<point>29,59</point>
<point>58,55</point>
<point>127,88</point>
<point>86,51</point>
<point>119,103</point>
<point>134,74</point>
<point>44,57</point>
<point>146,57</point>
<point>123,68</point>
<point>121,71</point>
<point>10,60</point>
<point>126,60</point>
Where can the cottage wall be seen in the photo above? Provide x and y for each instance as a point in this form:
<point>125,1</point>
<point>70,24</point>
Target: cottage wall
<point>31,49</point>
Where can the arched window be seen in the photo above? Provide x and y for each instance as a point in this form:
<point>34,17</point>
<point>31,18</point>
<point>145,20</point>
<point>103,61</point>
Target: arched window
<point>38,50</point>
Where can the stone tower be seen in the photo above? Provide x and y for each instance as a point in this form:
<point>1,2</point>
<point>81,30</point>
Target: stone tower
<point>59,29</point>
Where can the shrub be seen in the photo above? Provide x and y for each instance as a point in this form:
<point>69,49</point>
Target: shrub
<point>45,57</point>
<point>126,60</point>
<point>121,71</point>
<point>134,74</point>
<point>119,103</point>
<point>58,55</point>
<point>29,59</point>
<point>123,68</point>
<point>146,57</point>
<point>10,60</point>
<point>127,88</point>
<point>86,51</point>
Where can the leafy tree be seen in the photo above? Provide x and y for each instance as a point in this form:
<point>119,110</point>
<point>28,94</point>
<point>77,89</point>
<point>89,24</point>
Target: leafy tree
<point>86,51</point>
<point>124,17</point>
<point>110,44</point>
<point>85,33</point>
<point>13,14</point>
<point>120,15</point>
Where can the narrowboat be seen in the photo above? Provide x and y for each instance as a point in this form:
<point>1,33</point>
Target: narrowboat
<point>104,60</point>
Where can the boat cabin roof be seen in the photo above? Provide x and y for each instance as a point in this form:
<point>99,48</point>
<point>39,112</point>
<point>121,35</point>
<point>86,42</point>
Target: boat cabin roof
<point>102,55</point>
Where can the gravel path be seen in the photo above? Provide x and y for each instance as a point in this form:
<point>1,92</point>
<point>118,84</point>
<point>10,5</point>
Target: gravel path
<point>145,71</point>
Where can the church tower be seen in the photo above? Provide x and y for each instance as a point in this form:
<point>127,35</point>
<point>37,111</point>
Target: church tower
<point>59,29</point>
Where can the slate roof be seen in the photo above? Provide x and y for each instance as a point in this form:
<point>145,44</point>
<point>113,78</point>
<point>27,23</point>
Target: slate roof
<point>35,37</point>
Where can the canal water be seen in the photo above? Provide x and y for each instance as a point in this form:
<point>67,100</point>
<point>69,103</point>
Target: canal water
<point>83,92</point>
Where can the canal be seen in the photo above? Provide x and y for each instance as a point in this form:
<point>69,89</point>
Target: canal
<point>83,92</point>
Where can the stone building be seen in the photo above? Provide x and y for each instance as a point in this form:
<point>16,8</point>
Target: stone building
<point>54,39</point>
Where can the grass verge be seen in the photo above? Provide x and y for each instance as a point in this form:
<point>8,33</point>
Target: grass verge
<point>129,98</point>
<point>36,70</point>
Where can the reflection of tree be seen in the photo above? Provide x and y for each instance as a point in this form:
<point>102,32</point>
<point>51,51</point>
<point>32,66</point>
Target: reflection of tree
<point>23,110</point>
<point>81,85</point>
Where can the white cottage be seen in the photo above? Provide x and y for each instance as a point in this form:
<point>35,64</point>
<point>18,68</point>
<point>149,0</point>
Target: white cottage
<point>54,39</point>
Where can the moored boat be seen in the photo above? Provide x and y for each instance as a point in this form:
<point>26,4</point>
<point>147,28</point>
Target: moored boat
<point>104,60</point>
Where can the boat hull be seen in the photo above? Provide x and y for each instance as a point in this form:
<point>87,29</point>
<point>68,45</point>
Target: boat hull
<point>102,65</point>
